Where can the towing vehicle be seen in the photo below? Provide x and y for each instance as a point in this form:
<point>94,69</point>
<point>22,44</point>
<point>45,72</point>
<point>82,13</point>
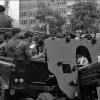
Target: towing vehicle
<point>60,76</point>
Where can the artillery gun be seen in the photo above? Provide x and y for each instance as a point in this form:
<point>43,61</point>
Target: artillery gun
<point>75,80</point>
<point>58,77</point>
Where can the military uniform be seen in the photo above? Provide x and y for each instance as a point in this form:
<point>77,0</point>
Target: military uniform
<point>5,22</point>
<point>11,47</point>
<point>23,50</point>
<point>3,48</point>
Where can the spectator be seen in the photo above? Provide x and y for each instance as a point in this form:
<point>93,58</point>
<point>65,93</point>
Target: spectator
<point>34,45</point>
<point>82,60</point>
<point>41,56</point>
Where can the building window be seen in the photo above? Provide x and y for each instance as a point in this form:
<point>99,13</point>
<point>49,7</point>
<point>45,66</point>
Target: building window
<point>23,14</point>
<point>39,0</point>
<point>21,7</point>
<point>25,6</point>
<point>63,2</point>
<point>71,0</point>
<point>22,0</point>
<point>31,5</point>
<point>24,22</point>
<point>31,14</point>
<point>62,10</point>
<point>32,21</point>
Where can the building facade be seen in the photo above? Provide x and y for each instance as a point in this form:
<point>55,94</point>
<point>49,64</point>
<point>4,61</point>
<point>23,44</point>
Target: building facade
<point>28,8</point>
<point>64,7</point>
<point>94,1</point>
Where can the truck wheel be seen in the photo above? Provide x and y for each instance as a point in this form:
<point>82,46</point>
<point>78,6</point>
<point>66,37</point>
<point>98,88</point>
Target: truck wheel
<point>26,99</point>
<point>45,96</point>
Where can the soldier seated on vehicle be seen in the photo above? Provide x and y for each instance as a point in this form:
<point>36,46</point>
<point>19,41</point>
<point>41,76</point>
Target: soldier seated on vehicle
<point>5,22</point>
<point>23,47</point>
<point>23,50</point>
<point>12,43</point>
<point>3,46</point>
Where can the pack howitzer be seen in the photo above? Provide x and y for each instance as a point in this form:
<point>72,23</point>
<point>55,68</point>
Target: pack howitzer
<point>60,76</point>
<point>63,55</point>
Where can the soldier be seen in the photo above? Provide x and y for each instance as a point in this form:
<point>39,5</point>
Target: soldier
<point>23,50</point>
<point>3,46</point>
<point>11,45</point>
<point>23,47</point>
<point>5,22</point>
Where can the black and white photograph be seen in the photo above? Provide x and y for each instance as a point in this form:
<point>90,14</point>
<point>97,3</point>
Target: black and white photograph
<point>49,49</point>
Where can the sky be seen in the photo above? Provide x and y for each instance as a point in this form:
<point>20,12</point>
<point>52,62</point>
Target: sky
<point>13,8</point>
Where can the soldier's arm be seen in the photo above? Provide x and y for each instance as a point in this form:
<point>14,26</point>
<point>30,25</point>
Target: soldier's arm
<point>28,52</point>
<point>37,56</point>
<point>40,55</point>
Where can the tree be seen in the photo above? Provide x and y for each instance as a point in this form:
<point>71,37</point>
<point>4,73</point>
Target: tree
<point>85,17</point>
<point>53,18</point>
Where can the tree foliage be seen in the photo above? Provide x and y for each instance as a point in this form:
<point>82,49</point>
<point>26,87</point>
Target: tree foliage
<point>53,18</point>
<point>85,17</point>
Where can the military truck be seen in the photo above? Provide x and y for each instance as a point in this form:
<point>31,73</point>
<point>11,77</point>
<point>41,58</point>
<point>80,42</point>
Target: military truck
<point>58,77</point>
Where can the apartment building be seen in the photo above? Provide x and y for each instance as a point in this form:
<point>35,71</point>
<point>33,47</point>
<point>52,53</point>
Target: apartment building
<point>28,8</point>
<point>94,1</point>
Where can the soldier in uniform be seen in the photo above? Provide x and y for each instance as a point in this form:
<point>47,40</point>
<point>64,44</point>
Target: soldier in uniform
<point>23,47</point>
<point>5,22</point>
<point>3,46</point>
<point>11,45</point>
